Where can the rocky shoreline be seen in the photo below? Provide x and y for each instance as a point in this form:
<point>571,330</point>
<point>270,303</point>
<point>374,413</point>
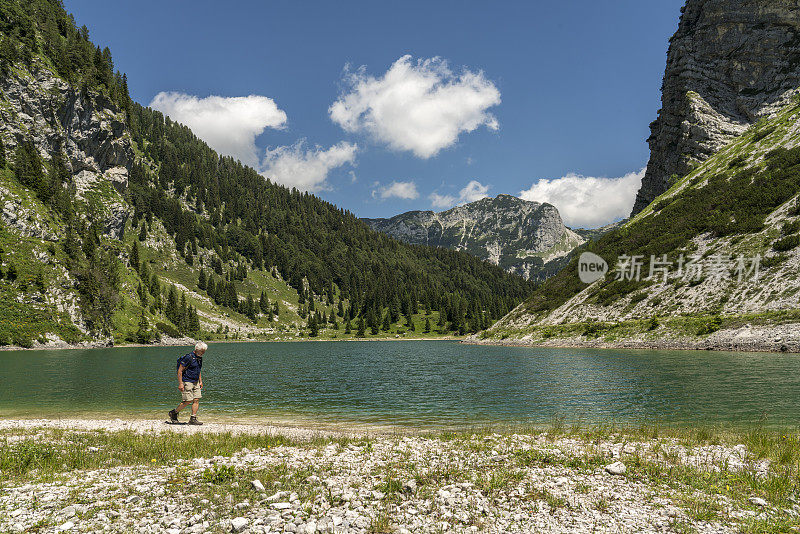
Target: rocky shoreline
<point>784,339</point>
<point>545,482</point>
<point>99,344</point>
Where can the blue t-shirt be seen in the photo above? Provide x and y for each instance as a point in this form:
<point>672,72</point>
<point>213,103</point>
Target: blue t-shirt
<point>192,363</point>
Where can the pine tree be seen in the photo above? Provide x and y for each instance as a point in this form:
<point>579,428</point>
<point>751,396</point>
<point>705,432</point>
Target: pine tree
<point>427,325</point>
<point>361,327</point>
<point>171,309</point>
<point>211,288</point>
<point>194,320</point>
<point>2,149</point>
<point>143,233</point>
<point>313,327</point>
<point>372,321</point>
<point>28,168</point>
<point>135,256</point>
<point>143,333</point>
<point>263,303</point>
<point>59,176</point>
<point>202,282</point>
<point>387,322</point>
<point>347,327</point>
<point>251,308</point>
<point>183,314</point>
<point>410,322</point>
<point>142,292</point>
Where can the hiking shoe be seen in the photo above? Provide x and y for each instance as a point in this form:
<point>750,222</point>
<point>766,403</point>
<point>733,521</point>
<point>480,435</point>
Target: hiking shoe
<point>173,416</point>
<point>193,421</point>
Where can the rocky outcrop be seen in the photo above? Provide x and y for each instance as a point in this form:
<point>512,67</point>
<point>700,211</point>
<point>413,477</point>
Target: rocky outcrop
<point>527,238</point>
<point>40,107</point>
<point>730,63</point>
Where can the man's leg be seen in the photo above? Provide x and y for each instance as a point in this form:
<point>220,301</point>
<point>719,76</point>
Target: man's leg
<point>195,406</point>
<point>187,395</point>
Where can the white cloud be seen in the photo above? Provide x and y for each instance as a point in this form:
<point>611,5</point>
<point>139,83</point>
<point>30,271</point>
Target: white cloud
<point>404,190</point>
<point>587,201</point>
<point>442,202</point>
<point>473,191</point>
<point>229,125</point>
<point>419,106</point>
<point>306,169</point>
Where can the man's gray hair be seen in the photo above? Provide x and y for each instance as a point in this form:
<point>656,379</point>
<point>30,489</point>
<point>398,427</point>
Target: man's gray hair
<point>200,346</point>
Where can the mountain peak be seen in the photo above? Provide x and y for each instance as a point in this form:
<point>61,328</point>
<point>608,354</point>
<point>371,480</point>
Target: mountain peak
<point>524,237</point>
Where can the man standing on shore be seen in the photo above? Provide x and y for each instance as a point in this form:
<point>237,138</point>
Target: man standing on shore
<point>190,382</point>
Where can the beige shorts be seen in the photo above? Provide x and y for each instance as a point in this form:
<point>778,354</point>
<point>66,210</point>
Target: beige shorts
<point>191,391</point>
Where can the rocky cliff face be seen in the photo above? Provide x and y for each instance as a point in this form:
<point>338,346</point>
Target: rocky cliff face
<point>527,238</point>
<point>730,63</point>
<point>42,108</point>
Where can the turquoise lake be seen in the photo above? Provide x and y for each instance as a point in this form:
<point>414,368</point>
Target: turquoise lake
<point>419,383</point>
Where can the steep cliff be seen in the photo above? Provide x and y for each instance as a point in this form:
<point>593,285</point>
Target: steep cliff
<point>523,237</point>
<point>730,63</point>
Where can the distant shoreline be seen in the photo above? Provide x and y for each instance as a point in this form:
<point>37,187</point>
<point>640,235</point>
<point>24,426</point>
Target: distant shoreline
<point>718,344</point>
<point>722,341</point>
<point>185,342</point>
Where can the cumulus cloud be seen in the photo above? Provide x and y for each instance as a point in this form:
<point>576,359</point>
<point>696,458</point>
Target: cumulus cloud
<point>587,201</point>
<point>306,168</point>
<point>229,125</point>
<point>442,202</point>
<point>473,191</point>
<point>403,190</point>
<point>421,106</point>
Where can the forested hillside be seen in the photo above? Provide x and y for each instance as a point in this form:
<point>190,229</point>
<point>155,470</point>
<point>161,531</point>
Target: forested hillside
<point>120,223</point>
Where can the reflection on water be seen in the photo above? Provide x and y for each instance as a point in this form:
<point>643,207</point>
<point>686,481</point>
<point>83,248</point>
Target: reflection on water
<point>414,382</point>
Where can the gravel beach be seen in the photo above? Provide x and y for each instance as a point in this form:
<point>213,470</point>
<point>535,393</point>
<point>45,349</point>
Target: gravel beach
<point>308,480</point>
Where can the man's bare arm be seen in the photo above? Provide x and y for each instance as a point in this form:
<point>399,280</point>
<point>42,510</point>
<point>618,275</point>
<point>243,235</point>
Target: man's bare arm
<point>180,377</point>
<point>200,380</point>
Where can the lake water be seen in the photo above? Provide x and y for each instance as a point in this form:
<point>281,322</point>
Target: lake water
<point>422,383</point>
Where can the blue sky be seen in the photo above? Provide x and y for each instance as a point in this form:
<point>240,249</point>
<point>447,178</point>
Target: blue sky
<point>544,98</point>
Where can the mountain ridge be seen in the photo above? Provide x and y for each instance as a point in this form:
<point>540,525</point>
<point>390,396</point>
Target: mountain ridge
<point>523,237</point>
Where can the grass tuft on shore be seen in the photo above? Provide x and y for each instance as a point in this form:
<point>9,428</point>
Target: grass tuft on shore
<point>52,451</point>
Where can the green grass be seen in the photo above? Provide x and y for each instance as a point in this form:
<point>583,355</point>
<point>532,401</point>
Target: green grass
<point>59,451</point>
